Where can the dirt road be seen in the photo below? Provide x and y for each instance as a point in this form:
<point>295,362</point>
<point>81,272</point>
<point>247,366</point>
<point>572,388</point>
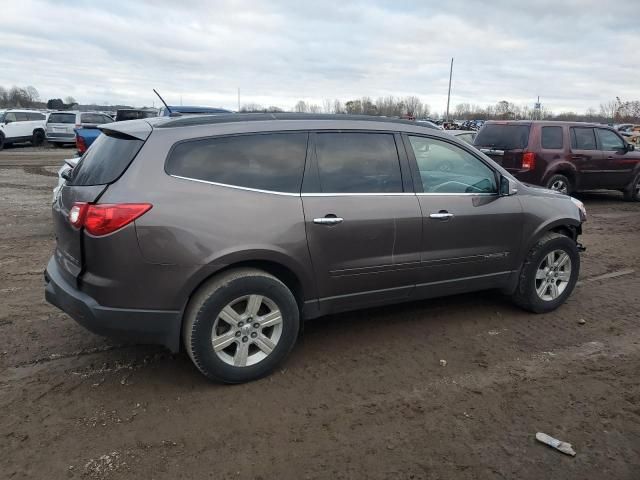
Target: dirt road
<point>363,395</point>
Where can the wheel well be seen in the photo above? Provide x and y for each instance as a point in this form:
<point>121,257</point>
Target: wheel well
<point>38,130</point>
<point>567,173</point>
<point>567,231</point>
<point>282,273</point>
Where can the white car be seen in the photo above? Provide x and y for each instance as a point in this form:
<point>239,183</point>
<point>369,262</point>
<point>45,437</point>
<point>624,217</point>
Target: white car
<point>22,126</point>
<point>69,164</point>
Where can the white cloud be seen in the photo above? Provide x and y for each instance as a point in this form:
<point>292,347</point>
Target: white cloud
<point>573,53</point>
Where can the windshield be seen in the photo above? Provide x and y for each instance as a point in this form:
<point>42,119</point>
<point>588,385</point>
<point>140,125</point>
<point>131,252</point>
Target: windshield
<point>503,137</point>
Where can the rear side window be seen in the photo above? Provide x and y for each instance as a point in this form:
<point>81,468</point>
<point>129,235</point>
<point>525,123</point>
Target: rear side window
<point>21,117</point>
<point>583,138</point>
<point>552,137</point>
<point>35,116</point>
<point>358,163</point>
<point>94,118</point>
<point>503,136</point>
<point>273,162</point>
<point>107,158</point>
<point>62,118</point>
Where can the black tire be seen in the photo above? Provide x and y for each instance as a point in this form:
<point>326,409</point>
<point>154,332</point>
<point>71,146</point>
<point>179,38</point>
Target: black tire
<point>56,144</point>
<point>632,192</point>
<point>38,138</point>
<point>558,183</point>
<point>526,295</point>
<point>205,307</point>
<point>1,141</point>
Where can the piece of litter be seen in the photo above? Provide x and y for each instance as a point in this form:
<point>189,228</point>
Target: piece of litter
<point>443,363</point>
<point>582,321</point>
<point>564,447</point>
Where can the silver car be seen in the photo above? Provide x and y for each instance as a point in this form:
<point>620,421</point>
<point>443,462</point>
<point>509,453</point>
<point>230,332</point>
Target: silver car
<point>61,125</point>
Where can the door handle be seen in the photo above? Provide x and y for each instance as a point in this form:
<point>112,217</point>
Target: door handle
<point>441,215</point>
<point>328,220</point>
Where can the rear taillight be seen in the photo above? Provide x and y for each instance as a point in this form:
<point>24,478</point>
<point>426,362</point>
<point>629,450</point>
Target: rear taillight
<point>81,145</point>
<point>105,218</point>
<point>528,161</point>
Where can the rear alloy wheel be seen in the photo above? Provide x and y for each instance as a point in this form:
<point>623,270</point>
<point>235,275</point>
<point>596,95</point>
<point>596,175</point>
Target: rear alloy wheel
<point>238,327</point>
<point>38,138</point>
<point>549,274</point>
<point>559,183</point>
<point>632,194</point>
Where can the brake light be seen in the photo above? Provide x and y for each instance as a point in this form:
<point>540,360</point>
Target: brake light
<point>528,161</point>
<point>81,145</point>
<point>105,218</point>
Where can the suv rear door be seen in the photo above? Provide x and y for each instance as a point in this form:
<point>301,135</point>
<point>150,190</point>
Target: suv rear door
<point>504,143</point>
<point>363,221</point>
<point>471,235</point>
<point>106,160</point>
<point>586,157</point>
<point>60,127</point>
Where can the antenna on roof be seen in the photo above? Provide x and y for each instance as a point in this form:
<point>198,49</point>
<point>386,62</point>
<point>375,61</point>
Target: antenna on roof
<point>171,114</point>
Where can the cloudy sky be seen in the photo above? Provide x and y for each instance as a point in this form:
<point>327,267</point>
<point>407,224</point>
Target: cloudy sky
<point>575,54</point>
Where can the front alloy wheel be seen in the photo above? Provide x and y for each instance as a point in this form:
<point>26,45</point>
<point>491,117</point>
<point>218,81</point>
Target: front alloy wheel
<point>553,275</point>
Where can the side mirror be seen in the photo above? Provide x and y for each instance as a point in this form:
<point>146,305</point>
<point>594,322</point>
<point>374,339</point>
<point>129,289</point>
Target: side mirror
<point>67,174</point>
<point>630,147</point>
<point>507,186</point>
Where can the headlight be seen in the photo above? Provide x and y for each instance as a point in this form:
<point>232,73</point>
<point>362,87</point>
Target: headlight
<point>580,205</point>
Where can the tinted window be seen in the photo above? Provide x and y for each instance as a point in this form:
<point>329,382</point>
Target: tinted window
<point>552,137</point>
<point>358,163</point>
<point>272,162</point>
<point>35,116</point>
<point>21,117</point>
<point>446,168</point>
<point>62,118</point>
<point>94,118</point>
<point>107,158</point>
<point>609,140</point>
<point>503,137</point>
<point>583,139</point>
<point>10,117</point>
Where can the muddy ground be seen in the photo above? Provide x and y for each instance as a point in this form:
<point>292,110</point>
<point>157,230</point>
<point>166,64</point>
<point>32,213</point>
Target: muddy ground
<point>363,395</point>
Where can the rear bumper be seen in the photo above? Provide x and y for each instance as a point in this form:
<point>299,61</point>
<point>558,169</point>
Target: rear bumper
<point>160,327</point>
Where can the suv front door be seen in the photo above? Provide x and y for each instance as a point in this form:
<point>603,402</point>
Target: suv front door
<point>363,222</point>
<point>617,166</point>
<point>471,235</point>
<point>586,157</point>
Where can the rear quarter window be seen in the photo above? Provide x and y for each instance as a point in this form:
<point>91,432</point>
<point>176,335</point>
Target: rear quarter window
<point>552,137</point>
<point>273,162</point>
<point>503,136</point>
<point>62,118</point>
<point>106,160</point>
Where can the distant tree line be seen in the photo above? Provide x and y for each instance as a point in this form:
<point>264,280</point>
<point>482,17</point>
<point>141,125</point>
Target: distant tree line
<point>19,97</point>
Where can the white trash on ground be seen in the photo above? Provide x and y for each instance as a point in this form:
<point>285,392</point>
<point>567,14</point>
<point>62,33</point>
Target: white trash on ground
<point>564,447</point>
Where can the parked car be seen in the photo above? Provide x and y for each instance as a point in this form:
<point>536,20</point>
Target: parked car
<point>223,234</point>
<point>134,114</point>
<point>21,126</point>
<point>85,137</point>
<point>427,124</point>
<point>61,125</point>
<point>191,110</point>
<point>563,156</point>
<point>466,135</point>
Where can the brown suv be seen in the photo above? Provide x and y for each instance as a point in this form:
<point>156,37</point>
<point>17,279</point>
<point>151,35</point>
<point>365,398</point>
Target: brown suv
<point>563,156</point>
<point>222,233</point>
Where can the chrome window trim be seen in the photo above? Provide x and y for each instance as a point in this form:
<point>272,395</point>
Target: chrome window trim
<point>238,187</point>
<point>477,194</point>
<point>357,194</point>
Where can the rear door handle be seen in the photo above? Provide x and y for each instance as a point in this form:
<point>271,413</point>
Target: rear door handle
<point>328,220</point>
<point>441,215</point>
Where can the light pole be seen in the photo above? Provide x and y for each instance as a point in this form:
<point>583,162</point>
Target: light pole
<point>449,94</point>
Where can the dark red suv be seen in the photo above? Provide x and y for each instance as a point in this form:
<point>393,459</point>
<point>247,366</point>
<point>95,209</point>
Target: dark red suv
<point>563,156</point>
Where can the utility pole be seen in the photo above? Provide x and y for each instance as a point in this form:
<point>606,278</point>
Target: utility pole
<point>449,94</point>
<point>238,99</point>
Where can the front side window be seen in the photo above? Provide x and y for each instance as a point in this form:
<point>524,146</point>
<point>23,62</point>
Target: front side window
<point>273,162</point>
<point>446,168</point>
<point>10,117</point>
<point>583,139</point>
<point>609,140</point>
<point>358,163</point>
<point>552,137</point>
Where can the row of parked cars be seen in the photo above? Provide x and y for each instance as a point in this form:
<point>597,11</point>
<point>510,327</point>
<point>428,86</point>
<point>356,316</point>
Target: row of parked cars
<point>59,128</point>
